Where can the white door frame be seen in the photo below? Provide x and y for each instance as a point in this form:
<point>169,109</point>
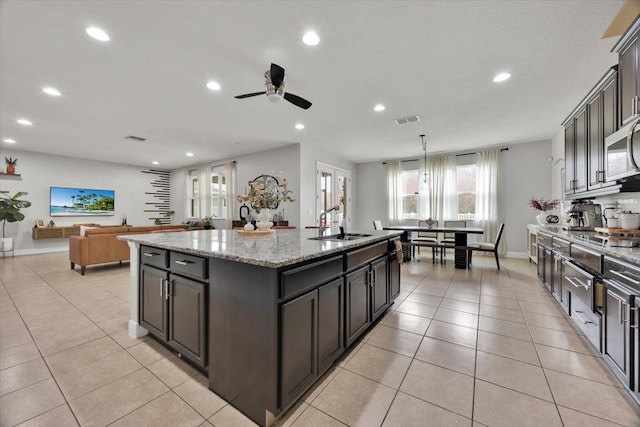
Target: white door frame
<point>335,172</point>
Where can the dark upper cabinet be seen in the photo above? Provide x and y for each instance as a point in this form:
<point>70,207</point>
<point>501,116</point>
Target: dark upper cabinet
<point>569,157</point>
<point>585,131</point>
<point>601,122</point>
<point>629,69</point>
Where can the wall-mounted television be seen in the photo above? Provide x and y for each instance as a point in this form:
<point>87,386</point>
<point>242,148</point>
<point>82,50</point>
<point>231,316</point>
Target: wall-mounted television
<point>81,202</point>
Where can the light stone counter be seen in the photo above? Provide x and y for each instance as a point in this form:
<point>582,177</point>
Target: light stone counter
<point>631,255</point>
<point>278,249</point>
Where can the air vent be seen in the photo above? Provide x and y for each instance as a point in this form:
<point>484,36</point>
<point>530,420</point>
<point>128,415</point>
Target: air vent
<point>408,119</point>
<point>135,138</point>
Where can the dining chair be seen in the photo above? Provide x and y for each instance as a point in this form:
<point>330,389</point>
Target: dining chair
<point>377,224</point>
<point>449,239</point>
<point>486,247</point>
<point>426,238</point>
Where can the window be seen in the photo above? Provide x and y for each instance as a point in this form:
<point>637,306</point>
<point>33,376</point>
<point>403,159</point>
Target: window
<point>410,180</point>
<point>466,191</point>
<point>193,194</point>
<point>218,193</point>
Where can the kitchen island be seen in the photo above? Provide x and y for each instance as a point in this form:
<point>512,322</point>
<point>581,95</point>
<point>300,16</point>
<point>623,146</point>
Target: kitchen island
<point>263,315</point>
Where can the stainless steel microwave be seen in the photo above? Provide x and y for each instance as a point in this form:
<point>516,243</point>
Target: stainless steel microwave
<point>622,152</point>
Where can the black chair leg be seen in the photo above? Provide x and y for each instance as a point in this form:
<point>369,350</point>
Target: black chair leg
<point>497,261</point>
<point>469,253</point>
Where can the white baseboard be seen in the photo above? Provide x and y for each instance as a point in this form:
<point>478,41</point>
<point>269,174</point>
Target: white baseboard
<point>34,251</point>
<point>511,254</point>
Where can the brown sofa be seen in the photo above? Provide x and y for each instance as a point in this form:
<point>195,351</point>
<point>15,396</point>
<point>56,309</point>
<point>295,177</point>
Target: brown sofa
<point>99,245</point>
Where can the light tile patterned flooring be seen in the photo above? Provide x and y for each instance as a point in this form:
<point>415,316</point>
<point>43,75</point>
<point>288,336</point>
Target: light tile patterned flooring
<point>469,348</point>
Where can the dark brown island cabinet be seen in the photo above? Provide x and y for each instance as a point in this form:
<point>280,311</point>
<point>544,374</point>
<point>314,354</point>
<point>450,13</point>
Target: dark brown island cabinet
<point>264,335</point>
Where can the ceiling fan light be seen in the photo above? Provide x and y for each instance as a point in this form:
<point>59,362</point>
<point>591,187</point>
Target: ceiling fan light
<point>274,97</point>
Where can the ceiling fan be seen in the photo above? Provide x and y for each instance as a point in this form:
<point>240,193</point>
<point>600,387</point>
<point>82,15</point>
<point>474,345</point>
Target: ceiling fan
<point>274,82</point>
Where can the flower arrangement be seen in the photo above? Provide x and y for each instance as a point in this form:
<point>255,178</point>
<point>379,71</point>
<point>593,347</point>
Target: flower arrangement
<point>267,192</point>
<point>543,205</point>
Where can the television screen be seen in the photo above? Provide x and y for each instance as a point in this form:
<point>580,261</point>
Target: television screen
<point>81,202</point>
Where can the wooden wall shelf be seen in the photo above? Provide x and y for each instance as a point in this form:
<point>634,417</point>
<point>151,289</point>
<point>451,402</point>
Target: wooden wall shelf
<point>54,232</point>
<point>17,175</point>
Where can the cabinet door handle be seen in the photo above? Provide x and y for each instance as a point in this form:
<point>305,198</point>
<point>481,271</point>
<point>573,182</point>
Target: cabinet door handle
<point>581,318</point>
<point>150,254</point>
<point>617,273</point>
<point>166,293</point>
<point>577,285</point>
<point>185,262</point>
<point>161,287</point>
<point>622,308</point>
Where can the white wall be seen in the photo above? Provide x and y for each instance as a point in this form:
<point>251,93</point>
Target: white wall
<point>282,161</point>
<point>41,171</point>
<point>526,173</point>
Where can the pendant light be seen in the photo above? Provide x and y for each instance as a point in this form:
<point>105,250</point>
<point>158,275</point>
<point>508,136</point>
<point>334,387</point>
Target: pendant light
<point>425,180</point>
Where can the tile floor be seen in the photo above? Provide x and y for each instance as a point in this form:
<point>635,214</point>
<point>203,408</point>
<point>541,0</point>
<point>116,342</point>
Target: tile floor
<point>469,348</point>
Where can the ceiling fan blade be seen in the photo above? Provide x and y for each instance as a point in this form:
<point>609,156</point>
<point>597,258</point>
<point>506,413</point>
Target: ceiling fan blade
<point>277,75</point>
<point>297,101</point>
<point>249,95</point>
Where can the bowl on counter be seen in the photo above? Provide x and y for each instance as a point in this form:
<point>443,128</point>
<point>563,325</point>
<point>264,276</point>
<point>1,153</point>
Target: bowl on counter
<point>630,221</point>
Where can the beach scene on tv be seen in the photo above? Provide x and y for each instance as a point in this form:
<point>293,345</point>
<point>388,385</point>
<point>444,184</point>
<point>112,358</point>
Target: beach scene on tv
<point>81,201</point>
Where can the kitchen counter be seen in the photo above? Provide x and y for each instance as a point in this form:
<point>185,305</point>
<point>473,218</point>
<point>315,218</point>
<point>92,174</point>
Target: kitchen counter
<point>264,315</point>
<point>631,255</point>
<point>278,249</point>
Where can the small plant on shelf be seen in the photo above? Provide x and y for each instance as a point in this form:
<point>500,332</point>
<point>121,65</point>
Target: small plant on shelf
<point>11,164</point>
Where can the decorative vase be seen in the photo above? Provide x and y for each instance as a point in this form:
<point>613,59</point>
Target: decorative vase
<point>264,218</point>
<point>11,169</point>
<point>542,218</point>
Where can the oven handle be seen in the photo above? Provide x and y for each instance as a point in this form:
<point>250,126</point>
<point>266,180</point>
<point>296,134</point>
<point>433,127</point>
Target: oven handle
<point>632,129</point>
<point>577,285</point>
<point>581,318</point>
<point>622,276</point>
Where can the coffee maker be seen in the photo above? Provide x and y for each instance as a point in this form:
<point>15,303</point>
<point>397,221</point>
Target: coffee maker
<point>584,215</point>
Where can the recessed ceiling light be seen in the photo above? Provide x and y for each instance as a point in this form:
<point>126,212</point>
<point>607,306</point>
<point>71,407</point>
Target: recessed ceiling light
<point>51,91</point>
<point>311,38</point>
<point>24,122</point>
<point>379,107</point>
<point>155,163</point>
<point>9,141</point>
<point>501,77</point>
<point>98,34</point>
<point>299,126</point>
<point>189,154</point>
<point>213,85</point>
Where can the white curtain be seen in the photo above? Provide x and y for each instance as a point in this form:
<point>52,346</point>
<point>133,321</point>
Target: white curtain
<point>230,178</point>
<point>442,197</point>
<point>185,198</point>
<point>394,193</point>
<point>488,194</point>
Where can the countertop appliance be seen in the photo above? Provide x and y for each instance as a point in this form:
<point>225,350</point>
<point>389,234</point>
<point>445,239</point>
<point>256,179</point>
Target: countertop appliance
<point>622,151</point>
<point>585,216</point>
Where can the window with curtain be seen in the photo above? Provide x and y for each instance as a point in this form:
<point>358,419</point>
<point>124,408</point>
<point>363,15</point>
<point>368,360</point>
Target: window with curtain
<point>466,191</point>
<point>193,194</point>
<point>219,197</point>
<point>409,201</point>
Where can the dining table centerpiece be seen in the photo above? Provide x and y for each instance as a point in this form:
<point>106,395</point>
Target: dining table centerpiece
<point>266,192</point>
<point>543,205</point>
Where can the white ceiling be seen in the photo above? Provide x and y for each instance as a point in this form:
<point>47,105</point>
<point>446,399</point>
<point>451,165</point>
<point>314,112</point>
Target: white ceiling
<point>435,59</point>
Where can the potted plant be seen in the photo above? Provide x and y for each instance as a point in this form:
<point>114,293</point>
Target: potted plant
<point>168,214</point>
<point>11,164</point>
<point>207,222</point>
<point>10,212</point>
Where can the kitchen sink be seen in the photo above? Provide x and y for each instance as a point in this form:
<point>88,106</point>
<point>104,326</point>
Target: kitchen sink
<point>341,237</point>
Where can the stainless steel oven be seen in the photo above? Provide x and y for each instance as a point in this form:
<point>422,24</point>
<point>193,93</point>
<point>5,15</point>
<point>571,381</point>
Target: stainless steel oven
<point>622,152</point>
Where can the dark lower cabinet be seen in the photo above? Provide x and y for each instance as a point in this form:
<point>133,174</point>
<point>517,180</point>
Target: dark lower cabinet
<point>394,276</point>
<point>311,338</point>
<point>173,309</point>
<point>367,297</point>
<point>187,318</point>
<point>153,304</point>
<point>617,330</point>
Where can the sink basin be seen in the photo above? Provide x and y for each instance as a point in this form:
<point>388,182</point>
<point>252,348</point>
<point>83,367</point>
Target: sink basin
<point>341,237</point>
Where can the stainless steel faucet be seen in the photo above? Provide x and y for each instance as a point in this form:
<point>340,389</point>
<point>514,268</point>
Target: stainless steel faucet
<point>322,228</point>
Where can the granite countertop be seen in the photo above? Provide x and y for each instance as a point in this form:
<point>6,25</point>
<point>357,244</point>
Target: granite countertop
<point>277,249</point>
<point>628,254</point>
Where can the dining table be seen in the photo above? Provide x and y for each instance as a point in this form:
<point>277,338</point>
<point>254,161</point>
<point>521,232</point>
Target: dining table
<point>460,237</point>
